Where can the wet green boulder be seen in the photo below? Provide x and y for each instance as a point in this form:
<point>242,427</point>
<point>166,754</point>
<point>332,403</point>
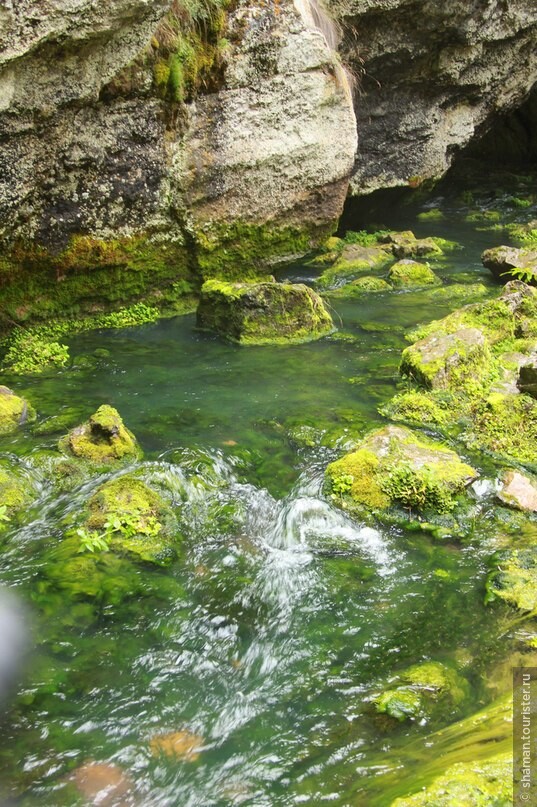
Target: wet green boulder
<point>512,578</point>
<point>406,245</point>
<point>407,273</point>
<point>14,411</point>
<point>417,408</point>
<point>263,313</point>
<point>480,783</point>
<point>359,287</point>
<point>353,260</point>
<point>506,263</point>
<point>441,361</point>
<point>396,467</point>
<point>131,519</point>
<point>103,439</point>
<point>420,690</point>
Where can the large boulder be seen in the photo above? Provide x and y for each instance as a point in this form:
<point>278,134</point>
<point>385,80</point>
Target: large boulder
<point>353,260</point>
<point>395,467</point>
<point>14,411</point>
<point>263,313</point>
<point>104,439</point>
<point>506,263</point>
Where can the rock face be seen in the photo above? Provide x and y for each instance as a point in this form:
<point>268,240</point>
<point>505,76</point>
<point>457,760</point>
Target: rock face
<point>263,313</point>
<point>527,378</point>
<point>431,76</point>
<point>97,146</point>
<point>441,359</point>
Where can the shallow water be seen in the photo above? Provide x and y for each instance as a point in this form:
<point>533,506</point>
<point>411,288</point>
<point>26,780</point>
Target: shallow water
<point>282,616</point>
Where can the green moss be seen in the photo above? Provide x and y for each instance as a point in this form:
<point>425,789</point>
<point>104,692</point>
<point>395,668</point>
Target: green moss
<point>472,784</point>
<point>512,578</point>
<point>102,439</point>
<point>483,216</point>
<point>408,274</point>
<point>396,467</point>
<point>431,215</point>
<point>244,251</point>
<point>263,313</point>
<point>506,425</point>
<point>417,408</point>
<point>359,287</point>
<point>401,703</point>
<point>16,489</point>
<point>458,292</point>
<point>494,318</point>
<point>93,277</point>
<point>133,519</point>
<point>14,411</point>
<point>421,691</point>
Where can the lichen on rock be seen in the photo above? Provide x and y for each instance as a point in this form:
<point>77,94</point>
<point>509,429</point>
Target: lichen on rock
<point>102,439</point>
<point>263,313</point>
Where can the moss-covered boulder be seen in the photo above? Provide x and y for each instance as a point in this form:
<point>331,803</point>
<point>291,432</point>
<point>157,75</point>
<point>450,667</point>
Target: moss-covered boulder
<point>512,578</point>
<point>417,408</point>
<point>14,411</point>
<point>103,439</point>
<point>506,263</point>
<point>132,519</point>
<point>407,273</point>
<point>468,784</point>
<point>353,260</point>
<point>518,490</point>
<point>442,360</point>
<point>263,313</point>
<point>420,690</point>
<point>406,245</point>
<point>359,287</point>
<point>394,466</point>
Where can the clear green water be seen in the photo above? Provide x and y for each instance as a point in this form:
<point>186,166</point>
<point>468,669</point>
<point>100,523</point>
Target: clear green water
<point>282,616</point>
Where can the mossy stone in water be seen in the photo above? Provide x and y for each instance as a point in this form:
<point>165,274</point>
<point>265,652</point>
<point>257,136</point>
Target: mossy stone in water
<point>263,313</point>
<point>406,245</point>
<point>513,578</point>
<point>355,259</point>
<point>102,439</point>
<point>441,361</point>
<point>14,411</point>
<point>359,287</point>
<point>417,408</point>
<point>410,274</point>
<point>507,262</point>
<point>394,466</point>
<point>422,690</point>
<point>134,519</point>
<point>16,489</point>
<point>468,784</point>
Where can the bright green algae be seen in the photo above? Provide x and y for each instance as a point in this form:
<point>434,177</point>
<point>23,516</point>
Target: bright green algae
<point>292,625</point>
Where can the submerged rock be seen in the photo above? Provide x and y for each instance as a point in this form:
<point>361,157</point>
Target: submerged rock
<point>513,578</point>
<point>472,784</point>
<point>102,439</point>
<point>518,491</point>
<point>103,784</point>
<point>394,466</point>
<point>421,689</point>
<point>263,313</point>
<point>407,274</point>
<point>14,411</point>
<point>442,360</point>
<point>16,490</point>
<point>506,263</point>
<point>177,745</point>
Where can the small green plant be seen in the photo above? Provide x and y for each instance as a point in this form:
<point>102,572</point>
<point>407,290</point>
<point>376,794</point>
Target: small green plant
<point>520,273</point>
<point>342,484</point>
<point>131,524</point>
<point>91,541</point>
<point>416,490</point>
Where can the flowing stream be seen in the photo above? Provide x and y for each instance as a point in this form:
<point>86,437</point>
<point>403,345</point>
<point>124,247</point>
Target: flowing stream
<point>266,640</point>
